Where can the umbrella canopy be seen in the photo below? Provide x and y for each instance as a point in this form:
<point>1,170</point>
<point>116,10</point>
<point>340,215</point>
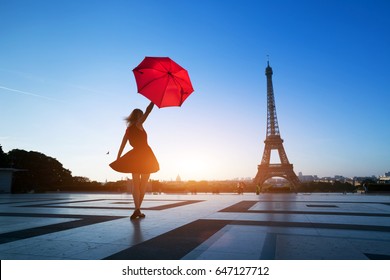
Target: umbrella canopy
<point>163,81</point>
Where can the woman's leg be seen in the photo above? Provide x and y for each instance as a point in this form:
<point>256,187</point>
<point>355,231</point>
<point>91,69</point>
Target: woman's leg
<point>136,190</point>
<point>143,184</point>
<point>139,188</point>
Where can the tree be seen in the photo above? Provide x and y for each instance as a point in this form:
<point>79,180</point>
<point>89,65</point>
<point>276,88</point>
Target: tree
<point>38,172</point>
<point>4,160</point>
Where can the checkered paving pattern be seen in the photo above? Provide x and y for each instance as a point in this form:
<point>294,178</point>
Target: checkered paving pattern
<point>225,226</point>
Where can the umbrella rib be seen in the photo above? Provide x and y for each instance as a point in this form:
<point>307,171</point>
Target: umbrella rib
<point>181,88</point>
<point>151,81</point>
<point>184,81</point>
<point>149,68</point>
<point>163,66</point>
<point>162,95</point>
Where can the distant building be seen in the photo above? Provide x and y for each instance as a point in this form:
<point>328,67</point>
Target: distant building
<point>384,179</point>
<point>362,180</point>
<point>277,182</point>
<point>307,178</point>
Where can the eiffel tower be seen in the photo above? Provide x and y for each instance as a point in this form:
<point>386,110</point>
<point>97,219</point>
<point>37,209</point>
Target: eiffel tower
<point>284,169</point>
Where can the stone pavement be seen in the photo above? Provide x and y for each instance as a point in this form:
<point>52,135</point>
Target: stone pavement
<point>209,227</point>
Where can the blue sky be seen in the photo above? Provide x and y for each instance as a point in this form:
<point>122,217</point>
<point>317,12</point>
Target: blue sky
<point>66,83</point>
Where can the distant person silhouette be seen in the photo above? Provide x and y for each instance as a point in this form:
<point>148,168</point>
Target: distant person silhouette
<point>140,161</point>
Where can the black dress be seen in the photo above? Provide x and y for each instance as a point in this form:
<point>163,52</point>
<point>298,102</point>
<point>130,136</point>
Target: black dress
<point>141,158</point>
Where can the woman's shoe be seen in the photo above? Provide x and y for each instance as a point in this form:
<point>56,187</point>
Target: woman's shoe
<point>140,215</point>
<point>137,215</point>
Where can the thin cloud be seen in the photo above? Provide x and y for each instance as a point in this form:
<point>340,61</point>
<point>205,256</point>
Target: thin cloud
<point>28,93</point>
<point>39,79</point>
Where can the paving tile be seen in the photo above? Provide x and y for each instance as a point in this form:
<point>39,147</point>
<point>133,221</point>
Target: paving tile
<point>313,247</point>
<point>226,226</point>
<point>9,224</point>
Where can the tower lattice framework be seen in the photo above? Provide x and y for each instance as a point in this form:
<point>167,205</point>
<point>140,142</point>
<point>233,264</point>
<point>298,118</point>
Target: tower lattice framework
<point>273,141</point>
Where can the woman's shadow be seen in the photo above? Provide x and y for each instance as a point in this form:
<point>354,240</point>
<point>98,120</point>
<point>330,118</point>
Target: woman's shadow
<point>137,231</point>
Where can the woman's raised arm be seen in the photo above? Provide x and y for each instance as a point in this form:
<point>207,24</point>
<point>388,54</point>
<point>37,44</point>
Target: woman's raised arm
<point>146,114</point>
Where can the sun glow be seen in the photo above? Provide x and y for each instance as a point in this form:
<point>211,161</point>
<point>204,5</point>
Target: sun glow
<point>193,166</point>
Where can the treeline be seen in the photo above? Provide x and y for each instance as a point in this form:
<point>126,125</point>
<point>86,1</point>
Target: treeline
<point>37,172</point>
<point>41,173</point>
<point>228,186</point>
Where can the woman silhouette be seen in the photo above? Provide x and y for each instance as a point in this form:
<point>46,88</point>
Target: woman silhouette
<point>140,161</point>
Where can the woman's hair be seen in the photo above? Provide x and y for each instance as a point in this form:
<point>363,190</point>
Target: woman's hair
<point>134,116</point>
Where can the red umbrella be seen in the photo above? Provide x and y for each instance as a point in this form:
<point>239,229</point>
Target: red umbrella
<point>163,81</point>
